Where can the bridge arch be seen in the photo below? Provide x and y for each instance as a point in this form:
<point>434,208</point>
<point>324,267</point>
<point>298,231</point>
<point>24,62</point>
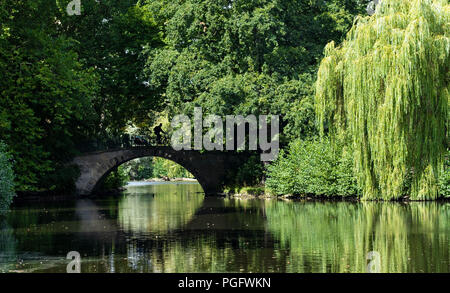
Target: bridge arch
<point>209,168</point>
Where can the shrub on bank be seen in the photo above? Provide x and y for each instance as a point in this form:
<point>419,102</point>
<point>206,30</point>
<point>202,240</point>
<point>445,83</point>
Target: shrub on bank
<point>115,180</point>
<point>62,180</point>
<point>247,178</point>
<point>444,179</point>
<point>312,168</point>
<point>6,180</point>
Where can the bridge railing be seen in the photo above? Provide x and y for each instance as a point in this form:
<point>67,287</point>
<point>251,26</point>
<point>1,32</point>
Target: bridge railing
<point>122,141</point>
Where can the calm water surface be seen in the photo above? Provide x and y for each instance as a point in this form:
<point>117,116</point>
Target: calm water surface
<point>174,228</point>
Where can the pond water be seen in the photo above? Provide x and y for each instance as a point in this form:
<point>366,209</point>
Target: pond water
<point>174,228</point>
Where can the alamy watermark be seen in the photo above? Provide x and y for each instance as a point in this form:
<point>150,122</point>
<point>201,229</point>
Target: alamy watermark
<point>371,7</point>
<point>374,265</point>
<point>74,267</point>
<point>234,140</point>
<point>74,7</point>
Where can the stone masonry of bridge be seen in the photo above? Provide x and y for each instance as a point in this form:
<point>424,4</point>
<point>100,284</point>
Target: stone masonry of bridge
<point>209,168</point>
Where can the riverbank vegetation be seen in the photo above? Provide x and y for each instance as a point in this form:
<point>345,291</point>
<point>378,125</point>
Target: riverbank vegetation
<point>366,115</point>
<point>444,178</point>
<point>69,83</point>
<point>386,90</point>
<point>313,168</point>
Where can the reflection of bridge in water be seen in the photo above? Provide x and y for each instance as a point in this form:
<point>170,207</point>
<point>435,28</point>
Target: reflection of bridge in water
<point>213,230</point>
<point>211,169</point>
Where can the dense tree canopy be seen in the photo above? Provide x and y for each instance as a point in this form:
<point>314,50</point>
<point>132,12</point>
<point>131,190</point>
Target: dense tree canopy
<point>111,36</point>
<point>387,88</point>
<point>68,79</point>
<point>242,57</point>
<point>123,65</point>
<point>46,94</point>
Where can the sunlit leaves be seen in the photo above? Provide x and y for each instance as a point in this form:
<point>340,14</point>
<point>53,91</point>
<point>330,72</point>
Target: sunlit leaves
<point>386,87</point>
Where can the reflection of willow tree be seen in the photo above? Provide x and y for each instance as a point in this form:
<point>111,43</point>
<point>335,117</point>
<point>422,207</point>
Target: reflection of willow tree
<point>431,238</point>
<point>169,208</point>
<point>336,237</point>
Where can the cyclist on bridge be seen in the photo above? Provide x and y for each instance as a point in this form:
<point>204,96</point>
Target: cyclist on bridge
<point>158,132</point>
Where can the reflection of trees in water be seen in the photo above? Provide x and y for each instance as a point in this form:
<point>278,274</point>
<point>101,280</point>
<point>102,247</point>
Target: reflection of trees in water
<point>179,230</point>
<point>223,236</point>
<point>7,247</point>
<point>230,236</point>
<point>168,208</point>
<point>336,237</point>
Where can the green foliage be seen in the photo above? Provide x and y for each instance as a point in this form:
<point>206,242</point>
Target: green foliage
<point>172,207</point>
<point>245,57</point>
<point>247,190</point>
<point>250,174</point>
<point>111,36</point>
<point>62,181</point>
<point>163,167</point>
<point>386,88</point>
<point>6,179</point>
<point>69,80</point>
<point>46,94</point>
<point>139,169</point>
<point>312,168</point>
<point>444,179</point>
<point>114,180</point>
<point>153,167</point>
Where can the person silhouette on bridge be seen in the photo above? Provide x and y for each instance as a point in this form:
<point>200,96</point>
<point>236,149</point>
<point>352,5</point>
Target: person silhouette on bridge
<point>158,132</point>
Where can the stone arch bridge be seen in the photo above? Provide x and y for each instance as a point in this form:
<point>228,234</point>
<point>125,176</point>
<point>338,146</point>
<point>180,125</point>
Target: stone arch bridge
<point>211,169</point>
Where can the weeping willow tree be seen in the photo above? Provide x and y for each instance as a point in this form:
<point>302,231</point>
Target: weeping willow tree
<point>386,90</point>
